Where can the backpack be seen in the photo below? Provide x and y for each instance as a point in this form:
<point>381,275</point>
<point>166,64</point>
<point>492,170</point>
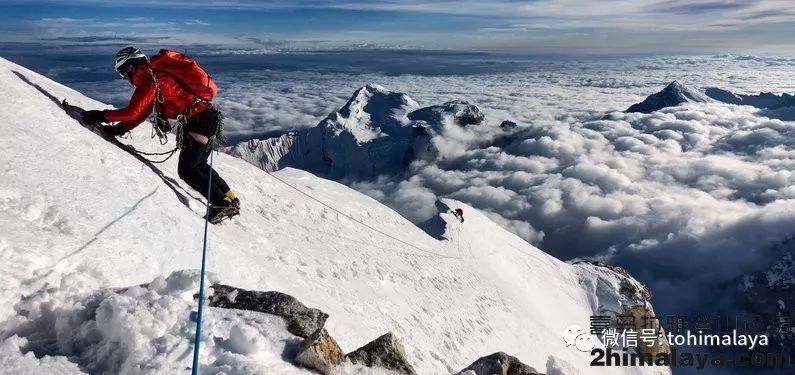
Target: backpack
<point>186,71</point>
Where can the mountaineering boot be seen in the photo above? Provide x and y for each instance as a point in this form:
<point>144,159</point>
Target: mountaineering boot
<point>229,207</point>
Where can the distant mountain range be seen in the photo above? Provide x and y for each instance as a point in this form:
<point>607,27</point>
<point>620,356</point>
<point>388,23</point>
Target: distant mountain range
<point>677,93</point>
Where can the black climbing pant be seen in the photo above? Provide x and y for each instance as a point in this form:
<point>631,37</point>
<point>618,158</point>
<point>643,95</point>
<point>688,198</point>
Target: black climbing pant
<point>193,167</point>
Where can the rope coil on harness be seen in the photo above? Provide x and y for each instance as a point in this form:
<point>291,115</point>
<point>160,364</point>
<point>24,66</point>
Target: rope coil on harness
<point>158,131</point>
<point>142,154</point>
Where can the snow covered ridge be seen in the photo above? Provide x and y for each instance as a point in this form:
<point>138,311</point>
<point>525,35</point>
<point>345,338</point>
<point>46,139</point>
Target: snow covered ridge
<point>677,93</point>
<point>95,242</point>
<point>377,132</point>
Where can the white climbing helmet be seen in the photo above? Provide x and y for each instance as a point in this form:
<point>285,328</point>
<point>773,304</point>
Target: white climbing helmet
<point>127,55</point>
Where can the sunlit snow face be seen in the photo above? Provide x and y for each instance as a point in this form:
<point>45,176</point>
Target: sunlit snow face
<point>585,342</point>
<point>571,333</point>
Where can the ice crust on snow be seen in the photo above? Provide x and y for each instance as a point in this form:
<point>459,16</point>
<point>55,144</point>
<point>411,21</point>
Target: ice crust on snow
<point>95,245</point>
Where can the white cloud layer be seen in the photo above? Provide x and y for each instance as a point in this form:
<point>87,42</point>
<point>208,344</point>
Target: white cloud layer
<point>687,196</point>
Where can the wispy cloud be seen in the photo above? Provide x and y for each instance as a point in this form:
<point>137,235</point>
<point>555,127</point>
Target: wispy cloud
<point>68,25</point>
<point>61,20</point>
<point>197,22</point>
<point>106,39</point>
<point>699,7</point>
<point>502,29</point>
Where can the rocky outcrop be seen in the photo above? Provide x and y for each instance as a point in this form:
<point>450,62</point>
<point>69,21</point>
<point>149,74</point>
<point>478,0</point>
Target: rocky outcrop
<point>499,364</point>
<point>643,318</point>
<point>623,296</point>
<point>301,321</point>
<point>638,307</point>
<point>461,111</point>
<point>319,352</point>
<point>385,352</point>
<point>507,125</point>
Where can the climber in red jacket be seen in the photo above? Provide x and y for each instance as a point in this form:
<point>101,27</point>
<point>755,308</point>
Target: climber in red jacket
<point>183,93</point>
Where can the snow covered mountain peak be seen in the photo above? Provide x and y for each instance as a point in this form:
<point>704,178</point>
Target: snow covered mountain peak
<point>674,94</point>
<point>684,92</point>
<point>677,93</point>
<point>376,132</point>
<point>372,112</point>
<point>89,239</point>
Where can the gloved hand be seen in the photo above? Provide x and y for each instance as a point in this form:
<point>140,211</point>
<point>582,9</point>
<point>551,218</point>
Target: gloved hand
<point>94,117</point>
<point>111,131</point>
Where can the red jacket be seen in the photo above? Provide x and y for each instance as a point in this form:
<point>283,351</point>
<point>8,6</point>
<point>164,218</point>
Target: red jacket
<point>176,100</point>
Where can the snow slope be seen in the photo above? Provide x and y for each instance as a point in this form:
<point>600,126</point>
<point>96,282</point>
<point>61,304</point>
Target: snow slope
<point>80,216</point>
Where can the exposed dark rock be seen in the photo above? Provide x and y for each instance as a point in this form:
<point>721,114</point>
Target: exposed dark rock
<point>319,352</point>
<point>499,364</point>
<point>507,125</point>
<point>301,321</point>
<point>636,303</point>
<point>384,352</point>
<point>629,286</point>
<point>643,317</point>
<point>464,113</point>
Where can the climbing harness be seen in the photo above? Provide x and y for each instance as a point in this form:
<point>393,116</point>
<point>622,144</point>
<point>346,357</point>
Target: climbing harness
<point>160,129</point>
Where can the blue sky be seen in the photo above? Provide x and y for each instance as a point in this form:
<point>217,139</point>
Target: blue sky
<point>540,26</point>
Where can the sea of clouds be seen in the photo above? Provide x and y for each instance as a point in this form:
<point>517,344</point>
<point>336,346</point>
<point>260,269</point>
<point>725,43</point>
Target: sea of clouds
<point>688,198</point>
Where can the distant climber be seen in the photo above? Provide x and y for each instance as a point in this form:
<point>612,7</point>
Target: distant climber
<point>175,87</point>
<point>459,214</point>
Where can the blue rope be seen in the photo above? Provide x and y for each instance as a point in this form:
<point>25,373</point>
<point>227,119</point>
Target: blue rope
<point>197,338</point>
